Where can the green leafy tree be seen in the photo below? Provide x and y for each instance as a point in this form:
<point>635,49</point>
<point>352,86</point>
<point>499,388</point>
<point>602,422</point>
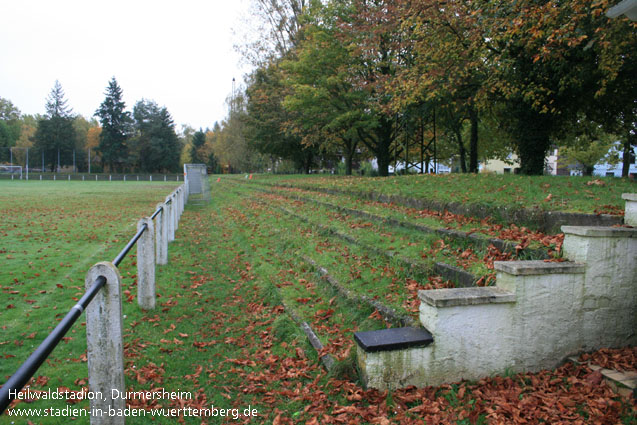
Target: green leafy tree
<point>116,126</point>
<point>548,64</point>
<point>442,68</point>
<point>372,39</point>
<point>55,137</point>
<point>330,112</point>
<point>10,127</point>
<point>156,147</point>
<point>267,128</point>
<point>587,145</point>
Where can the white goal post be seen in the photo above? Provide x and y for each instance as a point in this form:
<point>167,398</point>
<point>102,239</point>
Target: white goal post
<point>12,170</point>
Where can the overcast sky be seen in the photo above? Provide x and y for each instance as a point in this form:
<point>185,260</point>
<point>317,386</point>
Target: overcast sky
<point>177,53</point>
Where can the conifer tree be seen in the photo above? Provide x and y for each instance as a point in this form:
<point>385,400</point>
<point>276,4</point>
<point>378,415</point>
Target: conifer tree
<point>55,136</point>
<point>198,140</point>
<point>116,124</point>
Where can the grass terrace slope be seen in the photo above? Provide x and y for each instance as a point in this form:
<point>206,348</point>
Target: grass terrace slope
<point>586,195</point>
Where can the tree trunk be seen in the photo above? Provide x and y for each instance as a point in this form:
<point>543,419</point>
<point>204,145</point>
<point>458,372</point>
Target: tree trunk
<point>348,164</point>
<point>473,141</point>
<point>350,151</point>
<point>307,163</point>
<point>627,157</point>
<point>461,151</point>
<point>532,133</point>
<point>383,155</point>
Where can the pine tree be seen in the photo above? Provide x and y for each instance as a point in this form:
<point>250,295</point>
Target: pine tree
<point>55,136</point>
<point>198,140</point>
<point>116,124</point>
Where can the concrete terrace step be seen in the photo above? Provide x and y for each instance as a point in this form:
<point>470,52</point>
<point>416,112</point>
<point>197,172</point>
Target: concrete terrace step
<point>393,339</point>
<point>452,297</point>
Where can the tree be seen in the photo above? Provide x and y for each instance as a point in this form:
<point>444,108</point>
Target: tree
<point>55,137</point>
<point>372,40</point>
<point>198,140</point>
<point>442,67</point>
<point>155,146</point>
<point>330,111</point>
<point>550,62</point>
<point>275,26</point>
<point>266,121</point>
<point>207,150</point>
<point>116,126</point>
<point>588,144</point>
<point>10,127</point>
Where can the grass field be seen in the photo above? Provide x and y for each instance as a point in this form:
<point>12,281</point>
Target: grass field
<point>240,274</point>
<point>51,233</point>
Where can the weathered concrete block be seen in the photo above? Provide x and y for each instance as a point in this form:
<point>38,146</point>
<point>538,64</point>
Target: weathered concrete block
<point>609,292</point>
<point>630,210</point>
<point>146,265</point>
<point>105,350</point>
<point>390,358</point>
<point>170,218</point>
<point>177,201</point>
<point>452,297</point>
<point>161,236</point>
<point>470,341</point>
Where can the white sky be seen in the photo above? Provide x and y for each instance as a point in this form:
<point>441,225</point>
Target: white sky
<point>177,53</point>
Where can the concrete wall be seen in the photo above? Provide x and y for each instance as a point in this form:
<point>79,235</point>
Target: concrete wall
<point>537,314</point>
<point>630,211</point>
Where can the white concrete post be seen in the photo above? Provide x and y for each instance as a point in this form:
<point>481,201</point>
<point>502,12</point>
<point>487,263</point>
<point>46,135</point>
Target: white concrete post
<point>180,201</point>
<point>175,213</point>
<point>146,265</point>
<point>177,208</point>
<point>182,198</point>
<point>105,350</point>
<point>609,293</point>
<point>630,211</point>
<point>170,226</point>
<point>161,240</point>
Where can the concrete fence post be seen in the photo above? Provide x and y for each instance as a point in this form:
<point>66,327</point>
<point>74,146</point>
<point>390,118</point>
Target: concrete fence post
<point>175,215</point>
<point>105,351</point>
<point>146,265</point>
<point>170,219</point>
<point>177,209</point>
<point>161,240</point>
<point>181,200</point>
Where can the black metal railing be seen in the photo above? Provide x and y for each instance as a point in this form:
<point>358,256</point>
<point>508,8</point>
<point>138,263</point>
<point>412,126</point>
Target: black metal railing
<point>25,372</point>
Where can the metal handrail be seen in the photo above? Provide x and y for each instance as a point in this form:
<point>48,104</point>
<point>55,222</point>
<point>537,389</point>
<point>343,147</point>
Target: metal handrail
<point>26,371</point>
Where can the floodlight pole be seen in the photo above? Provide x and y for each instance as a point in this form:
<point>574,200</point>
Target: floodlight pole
<point>10,156</point>
<point>27,164</point>
<point>89,160</point>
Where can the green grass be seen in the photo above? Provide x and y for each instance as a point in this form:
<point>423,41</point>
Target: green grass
<point>570,194</point>
<point>51,233</point>
<point>219,331</point>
